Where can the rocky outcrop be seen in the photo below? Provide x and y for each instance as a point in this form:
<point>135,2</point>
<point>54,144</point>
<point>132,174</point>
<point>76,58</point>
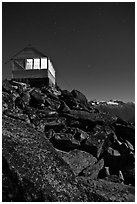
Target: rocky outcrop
<point>58,147</point>
<point>36,166</point>
<point>78,160</point>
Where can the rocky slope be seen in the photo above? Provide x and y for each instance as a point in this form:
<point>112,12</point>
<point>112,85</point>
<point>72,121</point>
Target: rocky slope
<point>59,147</point>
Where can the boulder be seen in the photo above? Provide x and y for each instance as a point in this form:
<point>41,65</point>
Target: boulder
<point>63,141</point>
<point>26,97</point>
<point>56,125</point>
<point>36,98</point>
<point>49,93</point>
<point>92,170</point>
<point>63,107</point>
<point>19,102</point>
<point>95,143</point>
<point>78,160</point>
<point>79,96</point>
<point>33,169</point>
<point>68,98</point>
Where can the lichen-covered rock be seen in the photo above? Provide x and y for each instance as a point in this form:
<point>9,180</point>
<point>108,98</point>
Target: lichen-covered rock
<point>91,172</point>
<point>78,160</point>
<point>105,191</point>
<point>37,166</point>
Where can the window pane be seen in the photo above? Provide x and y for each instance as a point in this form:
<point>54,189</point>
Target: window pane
<point>29,63</point>
<point>43,63</point>
<point>36,63</point>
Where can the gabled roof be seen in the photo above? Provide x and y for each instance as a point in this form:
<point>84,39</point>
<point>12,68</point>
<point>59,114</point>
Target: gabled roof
<point>28,52</point>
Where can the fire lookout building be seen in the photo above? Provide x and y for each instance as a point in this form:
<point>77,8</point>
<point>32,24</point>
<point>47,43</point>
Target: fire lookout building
<point>33,67</point>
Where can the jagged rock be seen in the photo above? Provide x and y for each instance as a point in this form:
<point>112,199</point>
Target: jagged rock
<point>124,163</point>
<point>95,143</point>
<point>92,170</point>
<point>105,191</point>
<point>7,101</point>
<point>63,107</point>
<point>36,98</point>
<point>78,160</point>
<point>118,162</point>
<point>114,178</point>
<point>125,133</point>
<point>53,104</point>
<point>38,169</point>
<point>80,135</point>
<point>31,112</point>
<point>104,172</point>
<point>7,87</point>
<point>68,98</point>
<point>37,116</point>
<point>19,102</point>
<point>129,174</point>
<point>49,93</point>
<point>23,86</point>
<point>113,152</point>
<point>17,114</point>
<point>47,102</point>
<point>64,141</point>
<point>89,119</point>
<point>79,96</point>
<point>57,125</point>
<point>26,97</point>
<point>129,146</point>
<point>74,123</point>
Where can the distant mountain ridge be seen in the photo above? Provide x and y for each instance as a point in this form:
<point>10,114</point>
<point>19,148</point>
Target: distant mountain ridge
<point>126,111</point>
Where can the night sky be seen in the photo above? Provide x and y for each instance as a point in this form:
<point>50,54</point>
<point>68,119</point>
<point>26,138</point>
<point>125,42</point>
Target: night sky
<point>91,45</point>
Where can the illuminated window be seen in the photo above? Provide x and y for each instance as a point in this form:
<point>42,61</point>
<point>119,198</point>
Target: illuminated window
<point>43,63</point>
<point>36,63</point>
<point>29,63</point>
